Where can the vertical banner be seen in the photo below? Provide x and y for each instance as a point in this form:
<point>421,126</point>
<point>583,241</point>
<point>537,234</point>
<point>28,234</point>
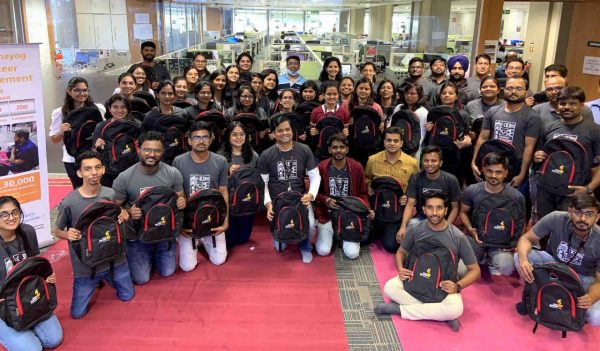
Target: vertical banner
<point>23,165</point>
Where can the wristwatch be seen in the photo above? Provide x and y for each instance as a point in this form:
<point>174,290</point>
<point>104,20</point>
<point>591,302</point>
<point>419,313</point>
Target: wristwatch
<point>458,288</point>
<point>589,190</point>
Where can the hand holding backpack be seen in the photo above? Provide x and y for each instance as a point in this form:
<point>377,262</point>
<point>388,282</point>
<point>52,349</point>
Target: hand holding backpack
<point>567,163</point>
<point>161,219</point>
<point>27,298</point>
<point>290,221</point>
<point>385,200</point>
<point>205,210</point>
<point>350,220</point>
<point>499,221</point>
<point>551,300</point>
<point>365,128</point>
<point>327,126</point>
<point>447,127</point>
<point>246,192</point>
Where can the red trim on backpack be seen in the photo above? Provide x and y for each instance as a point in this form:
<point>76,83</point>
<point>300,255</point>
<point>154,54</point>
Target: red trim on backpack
<point>539,299</point>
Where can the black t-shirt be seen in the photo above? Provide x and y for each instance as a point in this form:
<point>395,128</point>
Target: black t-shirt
<point>287,169</point>
<point>419,184</point>
<point>17,250</point>
<point>586,132</point>
<point>339,181</point>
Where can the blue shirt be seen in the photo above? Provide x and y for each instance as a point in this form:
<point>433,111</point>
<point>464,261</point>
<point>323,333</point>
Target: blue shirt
<point>595,107</point>
<point>284,83</point>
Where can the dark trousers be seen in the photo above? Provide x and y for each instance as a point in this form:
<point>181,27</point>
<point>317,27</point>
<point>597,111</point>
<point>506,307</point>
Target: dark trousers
<point>547,202</point>
<point>76,182</point>
<point>387,231</point>
<point>240,229</point>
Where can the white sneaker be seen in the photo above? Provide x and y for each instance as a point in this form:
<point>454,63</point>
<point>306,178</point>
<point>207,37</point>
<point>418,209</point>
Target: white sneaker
<point>307,256</point>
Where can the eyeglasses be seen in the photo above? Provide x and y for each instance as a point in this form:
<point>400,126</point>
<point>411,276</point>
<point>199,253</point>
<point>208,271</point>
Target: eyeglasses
<point>199,61</point>
<point>200,137</point>
<point>6,215</point>
<point>238,135</point>
<point>576,213</point>
<point>246,97</point>
<point>150,150</point>
<point>511,89</point>
<point>553,89</point>
<point>81,91</point>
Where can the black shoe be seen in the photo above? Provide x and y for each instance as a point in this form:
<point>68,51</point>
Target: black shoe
<point>454,325</point>
<point>521,309</point>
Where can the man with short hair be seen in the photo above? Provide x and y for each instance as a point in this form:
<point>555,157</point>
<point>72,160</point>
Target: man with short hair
<point>128,186</point>
<point>437,66</point>
<point>482,70</point>
<point>341,176</point>
<point>548,111</point>
<point>416,68</point>
<point>573,239</point>
<point>553,70</point>
<point>434,228</point>
<point>459,65</point>
<point>291,78</point>
<point>495,169</point>
<point>431,178</point>
<point>23,156</point>
<point>283,167</point>
<point>90,168</point>
<point>391,162</point>
<point>202,169</point>
<point>500,73</point>
<point>572,126</point>
<point>148,50</point>
<point>515,123</point>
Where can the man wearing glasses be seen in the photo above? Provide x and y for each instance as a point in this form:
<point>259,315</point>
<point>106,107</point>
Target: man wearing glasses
<point>548,111</point>
<point>573,239</point>
<point>515,123</point>
<point>148,172</point>
<point>416,68</point>
<point>202,169</point>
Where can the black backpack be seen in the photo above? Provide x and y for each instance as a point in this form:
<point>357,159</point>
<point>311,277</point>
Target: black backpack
<point>83,121</point>
<point>290,223</point>
<point>499,221</point>
<point>27,298</point>
<point>327,127</point>
<point>102,236</point>
<point>252,126</point>
<point>447,127</point>
<point>431,263</point>
<point>147,97</point>
<point>385,200</point>
<point>120,145</point>
<point>139,105</point>
<point>246,192</point>
<point>173,129</point>
<point>365,130</point>
<point>552,298</point>
<point>567,163</point>
<point>304,111</point>
<point>408,122</point>
<point>206,209</point>
<point>217,124</point>
<point>503,148</point>
<point>350,220</point>
<point>161,219</point>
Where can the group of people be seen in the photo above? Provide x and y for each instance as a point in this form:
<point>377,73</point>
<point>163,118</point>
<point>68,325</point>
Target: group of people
<point>443,189</point>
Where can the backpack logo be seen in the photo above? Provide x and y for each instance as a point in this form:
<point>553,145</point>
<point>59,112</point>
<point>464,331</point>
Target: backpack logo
<point>127,150</point>
<point>207,220</point>
<point>426,274</point>
<point>36,296</point>
<point>386,204</point>
<point>444,132</point>
<point>366,130</point>
<point>557,305</point>
<point>291,225</point>
<point>560,170</point>
<point>161,222</point>
<point>500,226</point>
<point>247,198</point>
<point>350,226</point>
<point>106,237</point>
<point>174,143</point>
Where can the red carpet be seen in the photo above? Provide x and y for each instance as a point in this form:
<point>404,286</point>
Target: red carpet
<point>489,322</point>
<point>59,188</point>
<point>257,300</point>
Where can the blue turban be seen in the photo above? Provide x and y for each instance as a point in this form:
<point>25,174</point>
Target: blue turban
<point>463,60</point>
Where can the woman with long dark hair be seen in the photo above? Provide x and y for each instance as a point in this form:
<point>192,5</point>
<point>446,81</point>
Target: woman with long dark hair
<point>332,70</point>
<point>245,102</point>
<point>244,61</point>
<point>386,98</point>
<point>141,74</point>
<point>412,98</point>
<point>165,97</point>
<point>218,81</point>
<point>489,89</point>
<point>232,84</point>
<point>309,92</point>
<point>191,75</point>
<point>270,97</point>
<point>18,241</point>
<point>204,94</point>
<point>127,85</point>
<point>77,95</point>
<point>199,61</point>
<point>238,152</point>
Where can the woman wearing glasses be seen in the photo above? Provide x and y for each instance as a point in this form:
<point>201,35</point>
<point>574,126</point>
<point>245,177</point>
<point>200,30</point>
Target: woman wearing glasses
<point>77,95</point>
<point>199,61</point>
<point>18,241</point>
<point>245,102</point>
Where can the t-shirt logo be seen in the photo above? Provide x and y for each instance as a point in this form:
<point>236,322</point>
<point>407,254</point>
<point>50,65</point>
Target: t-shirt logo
<point>287,169</point>
<point>338,186</point>
<point>504,130</point>
<point>199,182</point>
<point>568,254</point>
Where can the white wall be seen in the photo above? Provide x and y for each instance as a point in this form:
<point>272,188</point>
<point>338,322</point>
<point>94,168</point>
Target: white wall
<point>516,19</point>
<point>464,24</point>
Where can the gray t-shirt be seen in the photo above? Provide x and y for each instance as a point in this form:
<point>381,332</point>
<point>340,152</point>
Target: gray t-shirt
<point>419,184</point>
<point>475,193</point>
<point>512,127</point>
<point>565,246</point>
<point>477,108</point>
<point>239,160</point>
<point>586,132</point>
<point>70,210</point>
<point>211,174</point>
<point>131,182</point>
<point>286,169</point>
<point>548,114</point>
<point>451,237</point>
<point>15,250</point>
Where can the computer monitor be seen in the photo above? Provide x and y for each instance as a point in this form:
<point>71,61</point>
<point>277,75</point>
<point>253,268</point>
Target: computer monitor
<point>346,69</point>
<point>326,54</point>
<point>82,57</point>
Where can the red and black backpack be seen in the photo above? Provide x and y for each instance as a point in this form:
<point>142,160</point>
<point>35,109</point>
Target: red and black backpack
<point>408,122</point>
<point>447,127</point>
<point>327,127</point>
<point>120,145</point>
<point>83,121</point>
<point>567,163</point>
<point>499,221</point>
<point>350,220</point>
<point>217,123</point>
<point>365,129</point>
<point>205,210</point>
<point>161,219</point>
<point>385,200</point>
<point>290,223</point>
<point>246,192</point>
<point>252,127</point>
<point>502,148</point>
<point>173,129</point>
<point>26,298</point>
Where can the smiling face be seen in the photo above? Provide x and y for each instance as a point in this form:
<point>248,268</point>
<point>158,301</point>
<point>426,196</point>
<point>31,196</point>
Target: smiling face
<point>180,89</point>
<point>489,89</point>
<point>200,63</point>
<point>166,95</point>
<point>435,210</point>
<point>283,133</point>
<point>118,110</point>
<point>140,76</point>
<point>269,82</point>
<point>204,95</point>
<point>191,77</point>
<point>448,96</point>
<point>332,70</point>
<point>368,72</point>
<point>287,100</point>
<point>10,217</point>
<point>237,138</point>
<point>79,93</point>
<point>127,85</point>
<point>386,90</point>
<point>363,90</point>
<point>570,109</point>
<point>151,152</point>
<point>309,94</point>
<point>256,84</point>
<point>245,64</point>
<point>432,162</point>
<point>233,74</point>
<point>346,87</point>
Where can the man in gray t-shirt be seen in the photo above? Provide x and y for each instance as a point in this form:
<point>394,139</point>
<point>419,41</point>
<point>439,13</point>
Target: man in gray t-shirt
<point>86,280</point>
<point>148,172</point>
<point>202,170</point>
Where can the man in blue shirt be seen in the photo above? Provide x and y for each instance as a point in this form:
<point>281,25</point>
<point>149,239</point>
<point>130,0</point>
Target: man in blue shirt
<point>291,78</point>
<point>23,156</point>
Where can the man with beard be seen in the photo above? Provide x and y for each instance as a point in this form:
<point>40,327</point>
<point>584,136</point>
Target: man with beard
<point>437,228</point>
<point>148,172</point>
<point>495,169</point>
<point>573,126</point>
<point>573,239</point>
<point>416,68</point>
<point>148,54</point>
<point>340,176</point>
<point>283,167</point>
<point>548,111</point>
<point>437,66</point>
<point>431,178</point>
<point>458,65</point>
<point>482,69</point>
<point>515,123</point>
<point>202,169</point>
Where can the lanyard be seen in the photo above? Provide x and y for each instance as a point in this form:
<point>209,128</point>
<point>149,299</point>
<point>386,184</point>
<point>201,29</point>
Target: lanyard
<point>581,245</point>
<point>5,247</point>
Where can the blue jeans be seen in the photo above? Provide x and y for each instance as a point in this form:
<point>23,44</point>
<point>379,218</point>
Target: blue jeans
<point>143,257</point>
<point>46,334</point>
<point>540,257</point>
<point>84,288</point>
